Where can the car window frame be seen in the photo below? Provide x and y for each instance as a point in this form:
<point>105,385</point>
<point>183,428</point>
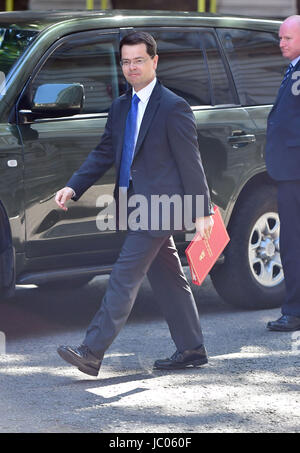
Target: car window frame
<point>228,72</point>
<point>148,28</point>
<point>153,28</point>
<point>256,30</point>
<point>53,47</point>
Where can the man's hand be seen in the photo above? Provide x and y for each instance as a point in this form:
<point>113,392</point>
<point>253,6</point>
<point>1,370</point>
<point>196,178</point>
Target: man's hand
<point>63,196</point>
<point>204,226</point>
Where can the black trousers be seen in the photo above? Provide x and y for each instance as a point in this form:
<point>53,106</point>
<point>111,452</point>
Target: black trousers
<point>156,257</point>
<point>289,214</point>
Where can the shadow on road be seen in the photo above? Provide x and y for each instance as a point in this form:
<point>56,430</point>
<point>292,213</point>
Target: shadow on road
<point>40,311</point>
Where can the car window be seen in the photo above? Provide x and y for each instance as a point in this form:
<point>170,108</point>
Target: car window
<point>256,63</point>
<point>87,59</point>
<point>222,90</point>
<point>13,42</point>
<point>181,65</point>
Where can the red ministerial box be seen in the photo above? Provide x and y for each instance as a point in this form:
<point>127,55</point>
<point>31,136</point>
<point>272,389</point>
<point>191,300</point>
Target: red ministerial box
<point>202,253</point>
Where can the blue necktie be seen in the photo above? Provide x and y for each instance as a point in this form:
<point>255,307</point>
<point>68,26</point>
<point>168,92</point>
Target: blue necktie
<point>287,73</point>
<point>128,146</point>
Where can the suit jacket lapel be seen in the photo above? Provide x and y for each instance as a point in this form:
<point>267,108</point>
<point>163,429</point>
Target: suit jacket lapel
<point>288,83</point>
<point>150,111</point>
<point>279,94</point>
<point>121,123</point>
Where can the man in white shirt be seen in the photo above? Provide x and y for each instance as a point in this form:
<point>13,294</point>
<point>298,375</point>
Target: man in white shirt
<point>151,138</point>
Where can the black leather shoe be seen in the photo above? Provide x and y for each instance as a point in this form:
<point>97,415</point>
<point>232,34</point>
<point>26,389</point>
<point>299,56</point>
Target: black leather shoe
<point>286,323</point>
<point>81,357</point>
<point>180,360</point>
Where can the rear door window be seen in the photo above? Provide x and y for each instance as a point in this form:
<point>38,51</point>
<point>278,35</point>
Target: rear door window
<point>223,92</point>
<point>181,66</point>
<point>256,63</point>
<point>190,64</point>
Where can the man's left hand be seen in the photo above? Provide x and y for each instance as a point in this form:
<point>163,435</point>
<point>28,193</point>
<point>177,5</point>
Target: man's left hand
<point>204,226</point>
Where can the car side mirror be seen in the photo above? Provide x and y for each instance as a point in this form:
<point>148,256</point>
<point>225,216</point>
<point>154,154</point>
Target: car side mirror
<point>58,99</point>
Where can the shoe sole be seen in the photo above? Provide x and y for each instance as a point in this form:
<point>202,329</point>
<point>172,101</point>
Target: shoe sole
<point>194,364</point>
<point>280,329</point>
<point>70,358</point>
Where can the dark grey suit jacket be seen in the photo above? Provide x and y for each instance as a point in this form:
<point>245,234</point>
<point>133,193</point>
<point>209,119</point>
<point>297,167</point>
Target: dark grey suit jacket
<point>283,134</point>
<point>166,158</point>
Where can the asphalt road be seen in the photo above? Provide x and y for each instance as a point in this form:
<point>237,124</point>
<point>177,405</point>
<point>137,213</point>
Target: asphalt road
<point>251,383</point>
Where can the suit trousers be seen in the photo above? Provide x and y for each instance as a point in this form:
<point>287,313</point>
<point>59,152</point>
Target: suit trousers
<point>289,214</point>
<point>157,257</point>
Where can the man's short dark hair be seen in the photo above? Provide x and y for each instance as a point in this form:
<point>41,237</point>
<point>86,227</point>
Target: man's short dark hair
<point>140,37</point>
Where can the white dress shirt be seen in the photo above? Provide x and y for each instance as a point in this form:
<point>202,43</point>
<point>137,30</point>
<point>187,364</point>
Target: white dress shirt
<point>295,61</point>
<point>144,95</point>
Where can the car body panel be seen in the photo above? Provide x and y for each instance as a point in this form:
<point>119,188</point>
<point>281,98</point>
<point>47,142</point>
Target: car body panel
<point>48,150</point>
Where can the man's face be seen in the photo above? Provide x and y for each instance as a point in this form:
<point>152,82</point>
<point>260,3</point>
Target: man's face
<point>137,65</point>
<point>289,35</point>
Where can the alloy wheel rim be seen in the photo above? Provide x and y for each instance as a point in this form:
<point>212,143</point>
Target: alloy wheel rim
<point>264,252</point>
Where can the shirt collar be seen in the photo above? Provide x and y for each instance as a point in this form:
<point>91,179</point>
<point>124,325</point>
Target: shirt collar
<point>145,93</point>
<point>295,61</point>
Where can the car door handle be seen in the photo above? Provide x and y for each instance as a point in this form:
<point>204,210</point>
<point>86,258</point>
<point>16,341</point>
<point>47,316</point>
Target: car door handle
<point>240,139</point>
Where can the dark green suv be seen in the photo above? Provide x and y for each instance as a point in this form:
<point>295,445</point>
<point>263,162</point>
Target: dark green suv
<point>59,74</point>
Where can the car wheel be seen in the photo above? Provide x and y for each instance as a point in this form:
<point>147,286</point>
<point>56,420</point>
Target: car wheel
<point>252,275</point>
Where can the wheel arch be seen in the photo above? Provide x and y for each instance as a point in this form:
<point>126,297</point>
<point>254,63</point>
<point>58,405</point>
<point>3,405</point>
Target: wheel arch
<point>7,255</point>
<point>232,279</point>
<point>252,184</point>
<point>5,237</point>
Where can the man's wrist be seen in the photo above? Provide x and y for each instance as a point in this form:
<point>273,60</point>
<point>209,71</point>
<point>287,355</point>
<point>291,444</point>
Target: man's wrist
<point>73,191</point>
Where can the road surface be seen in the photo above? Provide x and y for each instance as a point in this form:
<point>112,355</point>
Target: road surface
<point>251,383</point>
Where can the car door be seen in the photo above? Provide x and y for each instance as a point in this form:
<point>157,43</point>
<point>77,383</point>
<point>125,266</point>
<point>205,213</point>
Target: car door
<point>191,65</point>
<point>258,66</point>
<point>55,147</point>
<point>226,131</point>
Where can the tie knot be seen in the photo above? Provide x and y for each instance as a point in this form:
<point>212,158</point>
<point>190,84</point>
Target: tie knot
<point>135,99</point>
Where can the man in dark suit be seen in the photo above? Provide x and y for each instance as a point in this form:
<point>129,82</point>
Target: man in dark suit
<point>283,165</point>
<point>151,138</point>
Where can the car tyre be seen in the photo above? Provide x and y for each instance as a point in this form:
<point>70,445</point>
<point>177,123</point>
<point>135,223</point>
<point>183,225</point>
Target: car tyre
<point>251,275</point>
